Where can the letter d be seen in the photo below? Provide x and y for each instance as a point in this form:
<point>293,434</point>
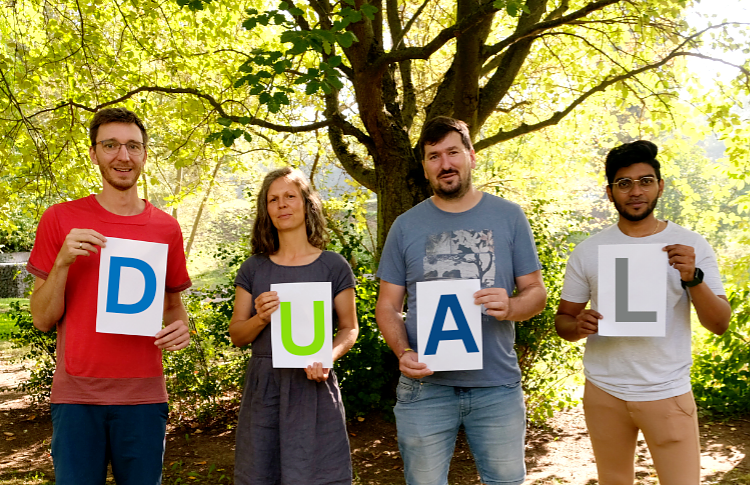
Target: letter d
<point>116,263</point>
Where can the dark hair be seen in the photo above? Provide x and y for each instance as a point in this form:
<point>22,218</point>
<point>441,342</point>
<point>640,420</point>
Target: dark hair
<point>439,127</point>
<point>640,151</point>
<point>265,238</point>
<point>114,115</point>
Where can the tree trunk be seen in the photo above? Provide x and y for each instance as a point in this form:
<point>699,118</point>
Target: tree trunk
<point>400,183</point>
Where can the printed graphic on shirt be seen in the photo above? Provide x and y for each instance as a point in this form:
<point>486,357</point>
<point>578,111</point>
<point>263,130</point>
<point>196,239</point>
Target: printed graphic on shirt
<point>462,255</point>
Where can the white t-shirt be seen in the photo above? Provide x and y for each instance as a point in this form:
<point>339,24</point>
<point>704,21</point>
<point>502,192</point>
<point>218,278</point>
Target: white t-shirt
<point>640,368</point>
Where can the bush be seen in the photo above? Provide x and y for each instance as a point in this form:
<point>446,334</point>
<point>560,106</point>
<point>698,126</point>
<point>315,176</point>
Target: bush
<point>40,352</point>
<point>546,360</point>
<point>720,373</point>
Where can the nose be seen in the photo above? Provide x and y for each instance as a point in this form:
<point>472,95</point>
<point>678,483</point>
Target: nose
<point>122,152</point>
<point>637,190</point>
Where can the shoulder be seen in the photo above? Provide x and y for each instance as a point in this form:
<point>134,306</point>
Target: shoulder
<point>417,212</point>
<point>497,201</point>
<point>159,216</point>
<point>333,260</point>
<point>255,261</point>
<point>607,235</point>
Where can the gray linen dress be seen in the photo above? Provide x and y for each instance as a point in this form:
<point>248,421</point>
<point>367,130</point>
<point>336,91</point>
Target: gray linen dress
<point>291,430</point>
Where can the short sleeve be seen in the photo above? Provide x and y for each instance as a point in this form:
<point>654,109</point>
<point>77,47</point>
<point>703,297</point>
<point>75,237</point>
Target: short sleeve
<point>244,278</point>
<point>342,276</point>
<point>46,245</point>
<point>525,257</point>
<point>177,274</point>
<point>707,263</point>
<point>576,287</point>
<point>392,267</point>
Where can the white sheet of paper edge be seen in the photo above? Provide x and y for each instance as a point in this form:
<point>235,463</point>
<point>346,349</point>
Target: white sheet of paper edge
<point>451,354</point>
<point>301,297</point>
<point>647,289</point>
<point>146,323</point>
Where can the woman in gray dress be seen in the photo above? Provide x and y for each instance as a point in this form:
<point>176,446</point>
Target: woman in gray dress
<point>291,428</point>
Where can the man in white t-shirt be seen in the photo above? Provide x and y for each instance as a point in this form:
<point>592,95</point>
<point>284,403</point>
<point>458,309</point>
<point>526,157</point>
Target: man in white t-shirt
<point>642,383</point>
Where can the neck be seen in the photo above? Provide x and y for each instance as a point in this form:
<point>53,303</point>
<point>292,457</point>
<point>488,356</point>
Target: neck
<point>294,248</point>
<point>643,228</point>
<point>122,203</point>
<point>461,204</point>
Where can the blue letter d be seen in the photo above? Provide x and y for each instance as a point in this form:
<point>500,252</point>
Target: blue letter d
<point>113,288</point>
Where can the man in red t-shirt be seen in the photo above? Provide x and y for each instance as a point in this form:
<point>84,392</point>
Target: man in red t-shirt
<point>109,399</point>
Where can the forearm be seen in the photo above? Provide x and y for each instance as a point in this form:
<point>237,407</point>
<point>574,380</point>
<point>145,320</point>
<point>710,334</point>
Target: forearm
<point>245,331</point>
<point>175,312</point>
<point>391,325</point>
<point>527,303</point>
<point>567,327</point>
<point>714,312</point>
<point>344,341</point>
<point>47,302</point>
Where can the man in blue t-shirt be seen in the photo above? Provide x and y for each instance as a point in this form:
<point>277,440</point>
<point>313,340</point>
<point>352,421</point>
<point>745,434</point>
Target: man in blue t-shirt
<point>460,232</point>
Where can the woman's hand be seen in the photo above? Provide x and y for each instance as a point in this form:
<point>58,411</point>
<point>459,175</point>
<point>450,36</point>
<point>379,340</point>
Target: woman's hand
<point>265,305</point>
<point>317,372</point>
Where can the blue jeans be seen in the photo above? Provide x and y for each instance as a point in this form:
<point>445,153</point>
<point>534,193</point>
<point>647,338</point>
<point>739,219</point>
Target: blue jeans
<point>85,437</point>
<point>428,417</point>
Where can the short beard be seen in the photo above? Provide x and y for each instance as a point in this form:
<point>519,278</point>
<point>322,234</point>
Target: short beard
<point>122,187</point>
<point>636,218</point>
<point>455,192</point>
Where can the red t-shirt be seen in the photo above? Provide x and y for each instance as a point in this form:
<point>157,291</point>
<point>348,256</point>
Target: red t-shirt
<point>101,368</point>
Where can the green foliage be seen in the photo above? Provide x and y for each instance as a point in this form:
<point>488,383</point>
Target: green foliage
<point>369,371</point>
<point>211,370</point>
<point>39,349</point>
<point>720,373</point>
<point>545,359</point>
<point>17,231</point>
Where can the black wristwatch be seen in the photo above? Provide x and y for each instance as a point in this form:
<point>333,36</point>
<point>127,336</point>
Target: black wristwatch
<point>697,279</point>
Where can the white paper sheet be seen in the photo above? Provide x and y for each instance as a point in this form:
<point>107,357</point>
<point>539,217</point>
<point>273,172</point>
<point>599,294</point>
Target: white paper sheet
<point>132,276</point>
<point>449,325</point>
<point>633,290</point>
<point>302,327</point>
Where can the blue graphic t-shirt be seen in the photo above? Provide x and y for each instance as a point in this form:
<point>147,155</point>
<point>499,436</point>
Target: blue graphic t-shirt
<point>491,242</point>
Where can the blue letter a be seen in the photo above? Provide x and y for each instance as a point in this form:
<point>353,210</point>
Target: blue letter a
<point>462,333</point>
<point>113,288</point>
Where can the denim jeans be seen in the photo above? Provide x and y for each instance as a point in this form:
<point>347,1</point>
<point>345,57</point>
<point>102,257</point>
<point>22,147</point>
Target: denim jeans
<point>85,437</point>
<point>428,417</point>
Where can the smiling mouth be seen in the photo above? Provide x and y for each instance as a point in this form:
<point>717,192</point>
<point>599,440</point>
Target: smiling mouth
<point>123,170</point>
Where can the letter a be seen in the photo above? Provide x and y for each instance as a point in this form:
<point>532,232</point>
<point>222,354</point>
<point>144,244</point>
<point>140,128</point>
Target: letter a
<point>286,329</point>
<point>113,288</point>
<point>437,333</point>
<point>622,311</point>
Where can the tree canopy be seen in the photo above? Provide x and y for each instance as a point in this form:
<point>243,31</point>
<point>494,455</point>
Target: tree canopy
<point>367,73</point>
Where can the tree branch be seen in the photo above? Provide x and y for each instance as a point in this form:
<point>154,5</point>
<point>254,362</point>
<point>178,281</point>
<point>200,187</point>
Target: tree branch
<point>524,129</point>
<point>194,92</point>
<point>439,41</point>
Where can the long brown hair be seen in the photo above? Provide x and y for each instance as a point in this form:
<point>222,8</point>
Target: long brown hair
<point>265,239</point>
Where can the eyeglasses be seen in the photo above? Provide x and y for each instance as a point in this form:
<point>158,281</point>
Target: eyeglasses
<point>626,184</point>
<point>134,148</point>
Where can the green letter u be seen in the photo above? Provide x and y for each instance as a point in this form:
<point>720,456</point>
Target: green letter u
<point>286,329</point>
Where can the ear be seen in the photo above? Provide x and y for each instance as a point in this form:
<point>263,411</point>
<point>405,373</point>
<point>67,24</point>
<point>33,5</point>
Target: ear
<point>473,156</point>
<point>661,187</point>
<point>609,193</point>
<point>92,155</point>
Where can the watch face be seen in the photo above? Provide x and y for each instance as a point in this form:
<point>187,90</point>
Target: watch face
<point>697,279</point>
